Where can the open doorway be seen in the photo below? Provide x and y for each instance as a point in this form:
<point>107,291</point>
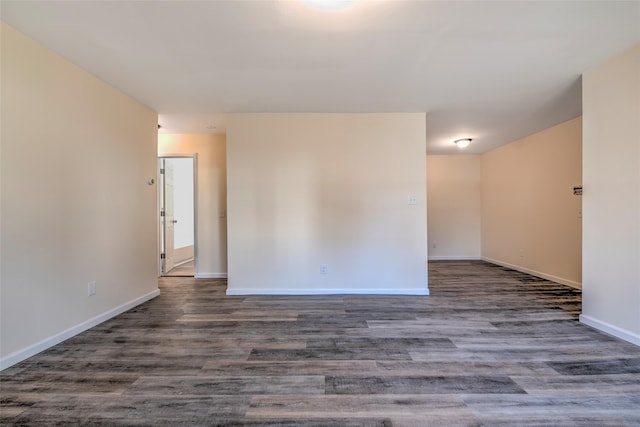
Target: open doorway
<point>177,207</point>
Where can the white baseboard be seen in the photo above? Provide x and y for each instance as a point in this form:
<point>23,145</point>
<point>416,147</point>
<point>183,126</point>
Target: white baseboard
<point>211,276</point>
<point>178,264</point>
<point>453,258</point>
<point>546,276</point>
<point>32,350</point>
<point>263,291</point>
<point>183,255</point>
<point>610,329</point>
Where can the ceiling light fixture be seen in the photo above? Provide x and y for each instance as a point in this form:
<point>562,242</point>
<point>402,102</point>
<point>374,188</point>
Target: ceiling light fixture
<point>462,143</point>
<point>329,4</point>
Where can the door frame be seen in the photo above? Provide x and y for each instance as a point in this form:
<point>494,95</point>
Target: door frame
<point>161,240</point>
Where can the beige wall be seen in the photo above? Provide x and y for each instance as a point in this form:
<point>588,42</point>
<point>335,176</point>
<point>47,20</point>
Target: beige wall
<point>211,230</point>
<point>76,207</point>
<point>312,189</point>
<point>611,249</point>
<point>529,213</point>
<point>453,206</point>
<point>183,254</point>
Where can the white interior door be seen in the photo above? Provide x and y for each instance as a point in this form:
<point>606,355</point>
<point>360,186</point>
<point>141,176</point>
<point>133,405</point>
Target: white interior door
<point>169,219</point>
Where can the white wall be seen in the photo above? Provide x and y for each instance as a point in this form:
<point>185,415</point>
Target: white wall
<point>211,228</point>
<point>611,248</point>
<point>76,207</point>
<point>530,217</point>
<point>311,189</point>
<point>453,206</point>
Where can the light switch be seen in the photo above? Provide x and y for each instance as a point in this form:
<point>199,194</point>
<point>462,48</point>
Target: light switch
<point>412,200</point>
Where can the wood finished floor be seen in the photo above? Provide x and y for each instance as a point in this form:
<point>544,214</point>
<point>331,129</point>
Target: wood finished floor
<point>183,270</point>
<point>490,347</point>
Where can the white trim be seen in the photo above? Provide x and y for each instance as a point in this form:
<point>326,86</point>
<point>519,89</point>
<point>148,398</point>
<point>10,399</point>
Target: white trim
<point>32,350</point>
<point>211,276</point>
<point>263,291</point>
<point>556,279</point>
<point>453,258</point>
<point>610,329</point>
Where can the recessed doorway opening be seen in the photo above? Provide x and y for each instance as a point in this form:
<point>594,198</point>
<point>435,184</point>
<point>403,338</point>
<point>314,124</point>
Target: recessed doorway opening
<point>177,210</point>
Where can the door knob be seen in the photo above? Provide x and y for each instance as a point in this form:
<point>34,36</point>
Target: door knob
<point>175,221</point>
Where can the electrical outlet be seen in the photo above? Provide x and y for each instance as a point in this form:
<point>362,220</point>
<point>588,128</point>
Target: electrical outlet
<point>323,269</point>
<point>412,200</point>
<point>91,288</point>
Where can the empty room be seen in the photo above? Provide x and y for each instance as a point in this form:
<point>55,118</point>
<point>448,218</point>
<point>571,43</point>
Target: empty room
<point>320,213</point>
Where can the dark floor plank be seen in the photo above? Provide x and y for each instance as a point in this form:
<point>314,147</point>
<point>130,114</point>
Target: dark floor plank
<point>422,385</point>
<point>209,386</point>
<point>330,354</point>
<point>376,344</point>
<point>450,368</point>
<point>562,384</point>
<point>598,367</point>
<point>296,367</point>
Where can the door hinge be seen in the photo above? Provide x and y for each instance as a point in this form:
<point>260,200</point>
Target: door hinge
<point>161,256</point>
<point>161,171</point>
<point>161,213</point>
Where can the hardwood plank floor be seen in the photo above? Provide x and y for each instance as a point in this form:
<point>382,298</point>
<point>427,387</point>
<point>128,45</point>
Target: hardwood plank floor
<point>490,346</point>
<point>183,270</point>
